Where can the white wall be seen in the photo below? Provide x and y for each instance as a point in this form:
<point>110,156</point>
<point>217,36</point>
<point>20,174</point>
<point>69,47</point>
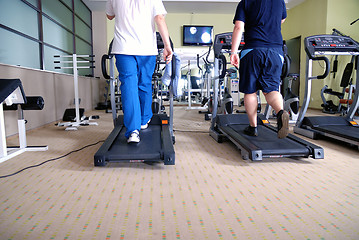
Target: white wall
<point>100,47</point>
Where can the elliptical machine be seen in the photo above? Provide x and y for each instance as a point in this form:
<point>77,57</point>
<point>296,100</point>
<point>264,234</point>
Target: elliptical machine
<point>291,101</point>
<point>225,101</point>
<point>157,106</point>
<point>225,104</point>
<point>106,105</point>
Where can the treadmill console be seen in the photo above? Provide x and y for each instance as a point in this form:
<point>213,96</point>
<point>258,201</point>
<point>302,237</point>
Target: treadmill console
<point>224,41</point>
<point>322,44</point>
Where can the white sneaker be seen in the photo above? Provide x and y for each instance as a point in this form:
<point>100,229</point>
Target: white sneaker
<point>146,125</point>
<point>134,137</point>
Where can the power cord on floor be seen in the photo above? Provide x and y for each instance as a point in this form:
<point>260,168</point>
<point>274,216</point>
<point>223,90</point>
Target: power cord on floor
<point>53,159</point>
<point>190,131</point>
<point>77,150</point>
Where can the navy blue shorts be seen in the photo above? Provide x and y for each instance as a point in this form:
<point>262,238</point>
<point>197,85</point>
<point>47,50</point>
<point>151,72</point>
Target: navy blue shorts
<point>260,69</point>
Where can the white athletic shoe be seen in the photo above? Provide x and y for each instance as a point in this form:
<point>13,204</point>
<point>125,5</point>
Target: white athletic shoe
<point>146,125</point>
<point>134,137</point>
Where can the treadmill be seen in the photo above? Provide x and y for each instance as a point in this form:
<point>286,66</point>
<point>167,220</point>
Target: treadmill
<point>231,126</point>
<point>342,128</point>
<point>157,140</point>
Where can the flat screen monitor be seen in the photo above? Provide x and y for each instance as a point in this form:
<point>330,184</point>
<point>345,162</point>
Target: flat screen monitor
<point>194,35</point>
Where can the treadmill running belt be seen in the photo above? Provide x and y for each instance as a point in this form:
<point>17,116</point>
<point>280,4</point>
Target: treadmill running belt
<point>148,148</point>
<point>270,144</point>
<point>347,132</point>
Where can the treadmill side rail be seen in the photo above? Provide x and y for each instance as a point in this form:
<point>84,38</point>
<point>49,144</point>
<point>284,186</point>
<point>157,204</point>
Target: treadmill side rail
<point>231,126</point>
<point>305,132</point>
<point>167,146</point>
<point>248,150</point>
<point>152,151</point>
<point>100,156</point>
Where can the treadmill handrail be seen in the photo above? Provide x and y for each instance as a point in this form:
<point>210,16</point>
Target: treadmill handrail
<point>327,67</point>
<point>354,106</point>
<point>312,53</point>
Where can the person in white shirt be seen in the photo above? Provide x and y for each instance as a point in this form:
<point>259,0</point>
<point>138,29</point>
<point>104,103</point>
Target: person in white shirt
<point>135,49</point>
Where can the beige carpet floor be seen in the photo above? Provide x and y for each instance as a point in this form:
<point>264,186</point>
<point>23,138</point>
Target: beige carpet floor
<point>210,193</point>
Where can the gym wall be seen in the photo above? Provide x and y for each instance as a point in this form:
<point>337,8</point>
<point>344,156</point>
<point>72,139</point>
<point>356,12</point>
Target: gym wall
<point>339,17</point>
<point>314,17</point>
<point>175,21</point>
<point>100,47</point>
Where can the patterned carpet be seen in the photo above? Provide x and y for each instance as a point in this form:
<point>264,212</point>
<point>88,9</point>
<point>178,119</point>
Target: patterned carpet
<point>211,193</point>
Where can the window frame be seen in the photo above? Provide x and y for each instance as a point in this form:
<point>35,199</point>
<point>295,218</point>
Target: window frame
<point>40,38</point>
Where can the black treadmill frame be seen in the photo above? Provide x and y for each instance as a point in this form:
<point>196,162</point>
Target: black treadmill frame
<point>249,150</point>
<point>166,152</point>
<point>304,125</point>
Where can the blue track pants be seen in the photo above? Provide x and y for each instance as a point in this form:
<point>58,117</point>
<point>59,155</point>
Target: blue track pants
<point>135,75</point>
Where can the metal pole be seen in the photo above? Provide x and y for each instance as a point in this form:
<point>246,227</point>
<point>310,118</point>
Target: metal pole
<point>112,89</point>
<point>354,107</point>
<point>215,91</point>
<point>3,148</point>
<point>76,87</point>
<point>307,93</point>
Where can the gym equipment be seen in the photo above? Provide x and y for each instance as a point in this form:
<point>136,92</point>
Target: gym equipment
<point>354,21</point>
<point>337,127</point>
<point>107,103</point>
<point>195,85</point>
<point>290,100</point>
<point>78,119</point>
<point>14,98</point>
<point>329,106</point>
<point>225,104</point>
<point>160,80</point>
<point>207,99</point>
<point>157,102</point>
<point>231,126</point>
<point>157,140</point>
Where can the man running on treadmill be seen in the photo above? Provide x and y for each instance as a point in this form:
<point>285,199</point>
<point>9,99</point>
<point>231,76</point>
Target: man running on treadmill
<point>135,49</point>
<point>261,59</point>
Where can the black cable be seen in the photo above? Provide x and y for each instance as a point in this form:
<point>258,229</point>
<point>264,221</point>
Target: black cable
<point>191,131</point>
<point>50,160</point>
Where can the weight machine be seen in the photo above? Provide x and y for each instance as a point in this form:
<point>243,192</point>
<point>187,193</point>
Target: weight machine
<point>12,97</point>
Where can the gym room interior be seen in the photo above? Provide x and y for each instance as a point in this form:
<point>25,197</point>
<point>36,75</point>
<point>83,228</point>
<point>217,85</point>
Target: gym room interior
<point>212,190</point>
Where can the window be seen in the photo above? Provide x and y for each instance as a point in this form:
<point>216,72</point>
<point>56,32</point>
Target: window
<point>33,31</point>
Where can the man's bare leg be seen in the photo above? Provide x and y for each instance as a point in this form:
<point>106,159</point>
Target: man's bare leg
<point>276,101</point>
<point>251,105</point>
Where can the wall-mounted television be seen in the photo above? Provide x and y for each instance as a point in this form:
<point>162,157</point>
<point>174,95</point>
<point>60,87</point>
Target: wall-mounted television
<point>194,35</point>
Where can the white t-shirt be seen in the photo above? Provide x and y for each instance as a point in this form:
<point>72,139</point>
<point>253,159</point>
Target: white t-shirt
<point>135,32</point>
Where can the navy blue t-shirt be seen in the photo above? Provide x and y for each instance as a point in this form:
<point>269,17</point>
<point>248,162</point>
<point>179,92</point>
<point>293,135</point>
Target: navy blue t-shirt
<point>262,20</point>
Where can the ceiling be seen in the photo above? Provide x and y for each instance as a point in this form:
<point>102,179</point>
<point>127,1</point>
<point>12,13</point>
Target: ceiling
<point>189,6</point>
